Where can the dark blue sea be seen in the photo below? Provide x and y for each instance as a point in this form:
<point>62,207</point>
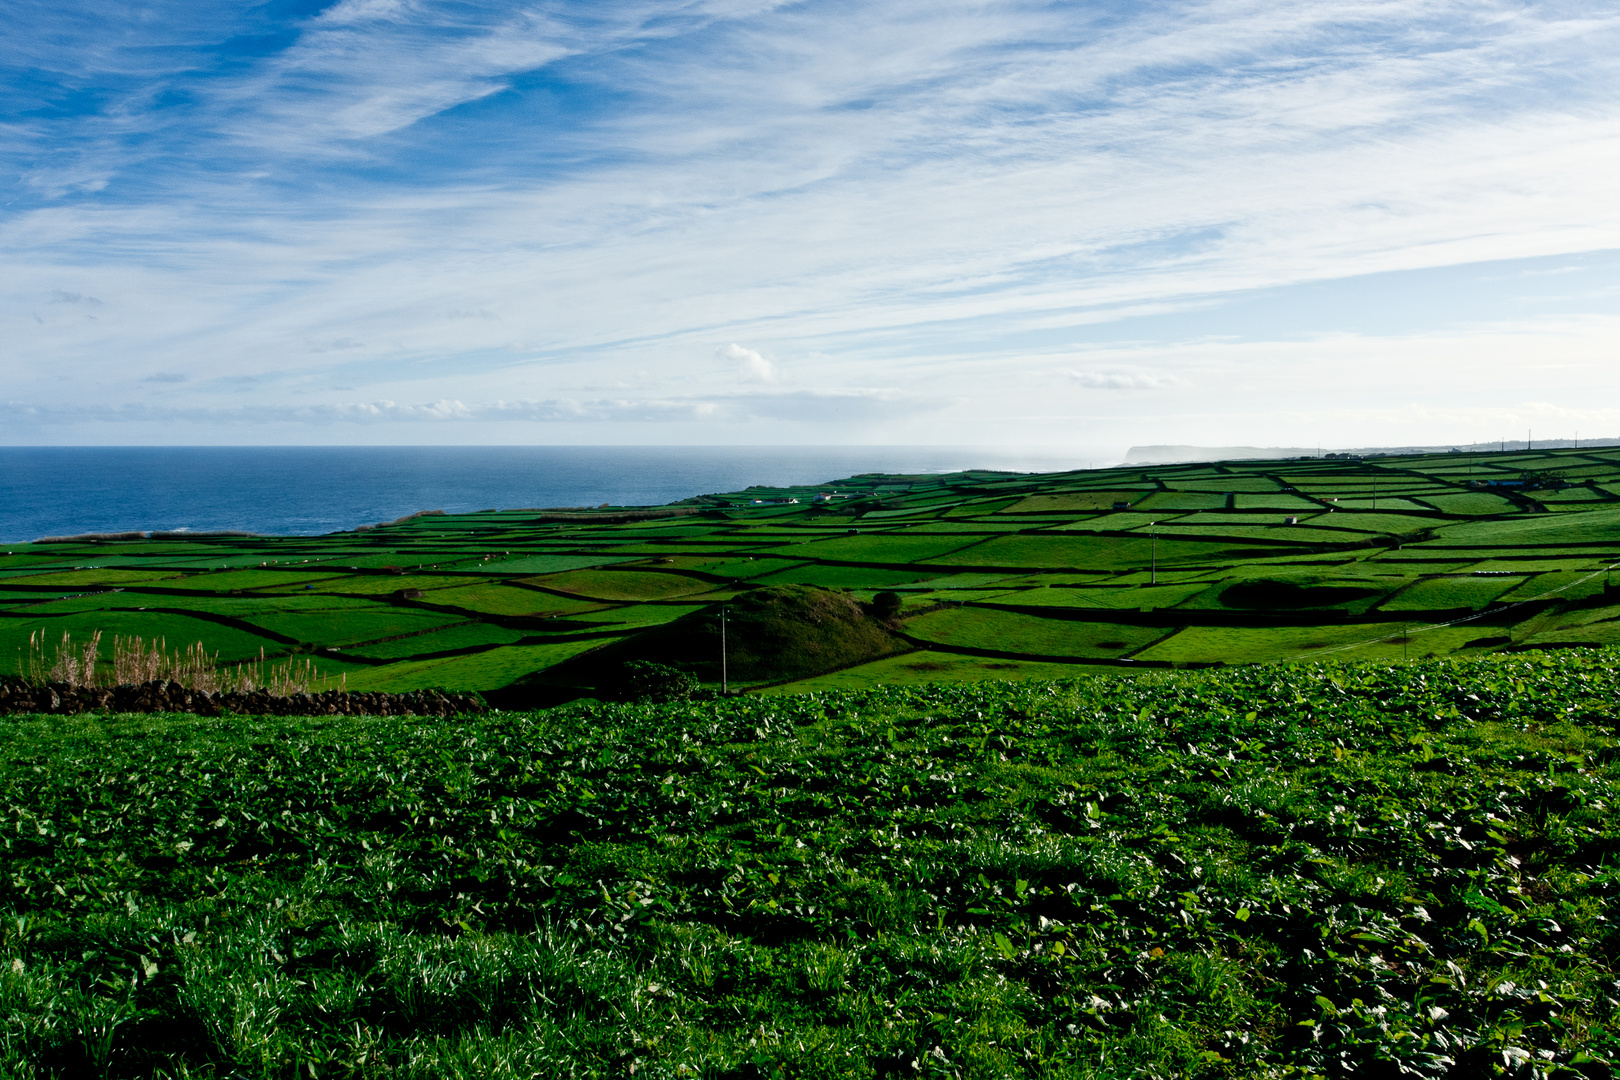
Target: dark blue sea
<point>301,491</point>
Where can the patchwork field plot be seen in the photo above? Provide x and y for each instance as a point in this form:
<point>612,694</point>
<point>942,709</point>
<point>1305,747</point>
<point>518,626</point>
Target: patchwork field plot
<point>1017,632</point>
<point>1202,567</point>
<point>1451,592</point>
<point>621,584</point>
<point>1353,641</point>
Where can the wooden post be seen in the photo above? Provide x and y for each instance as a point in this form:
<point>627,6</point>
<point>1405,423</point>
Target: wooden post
<point>724,687</point>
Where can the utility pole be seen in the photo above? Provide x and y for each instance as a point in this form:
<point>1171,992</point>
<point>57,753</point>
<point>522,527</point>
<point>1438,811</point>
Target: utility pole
<point>724,688</point>
<point>1527,438</point>
<point>1153,573</point>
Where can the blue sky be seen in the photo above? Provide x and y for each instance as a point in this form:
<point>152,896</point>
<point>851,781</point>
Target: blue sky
<point>1074,225</point>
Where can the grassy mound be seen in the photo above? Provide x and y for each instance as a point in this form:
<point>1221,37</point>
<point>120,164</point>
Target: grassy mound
<point>772,635</point>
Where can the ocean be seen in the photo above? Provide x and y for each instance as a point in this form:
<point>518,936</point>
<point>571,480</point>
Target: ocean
<point>306,490</point>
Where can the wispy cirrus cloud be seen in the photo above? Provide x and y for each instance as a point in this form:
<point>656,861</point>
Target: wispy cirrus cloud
<point>871,195</point>
<point>808,407</point>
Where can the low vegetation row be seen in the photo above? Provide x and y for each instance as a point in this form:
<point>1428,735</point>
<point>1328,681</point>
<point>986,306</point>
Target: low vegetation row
<point>1310,870</point>
<point>18,696</point>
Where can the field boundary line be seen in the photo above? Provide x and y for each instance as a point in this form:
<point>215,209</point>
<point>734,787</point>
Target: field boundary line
<point>1469,618</point>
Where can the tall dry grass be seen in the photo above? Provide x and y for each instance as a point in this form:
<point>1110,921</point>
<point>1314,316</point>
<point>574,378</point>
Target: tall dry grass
<point>136,661</point>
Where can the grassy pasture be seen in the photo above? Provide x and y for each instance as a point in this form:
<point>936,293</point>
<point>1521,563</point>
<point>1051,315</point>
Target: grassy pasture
<point>253,580</point>
<point>1345,641</point>
<point>925,667</point>
<point>1601,523</point>
<point>841,577</point>
<point>1077,501</point>
<point>634,615</point>
<point>252,607</point>
<point>1471,503</point>
<point>1566,584</point>
<point>74,603</point>
<point>367,584</point>
<point>549,564</point>
<point>1605,633</point>
<point>1269,532</point>
<point>1016,632</point>
<point>744,567</point>
<point>462,636</point>
<point>968,581</point>
<point>1123,521</point>
<point>1234,482</point>
<point>884,547</point>
<point>621,584</point>
<point>1570,494</point>
<point>982,526</point>
<point>478,671</point>
<point>1380,502</point>
<point>98,576</point>
<point>1053,529</point>
<point>501,599</point>
<point>1276,501</point>
<point>232,643</point>
<point>1181,500</point>
<point>352,625</point>
<point>979,507</point>
<point>1450,592</point>
<point>1113,597</point>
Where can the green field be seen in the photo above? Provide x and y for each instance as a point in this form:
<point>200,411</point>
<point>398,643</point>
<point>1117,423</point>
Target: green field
<point>1018,632</point>
<point>525,582</point>
<point>1309,870</point>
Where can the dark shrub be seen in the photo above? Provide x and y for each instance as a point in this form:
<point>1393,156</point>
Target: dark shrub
<point>643,680</point>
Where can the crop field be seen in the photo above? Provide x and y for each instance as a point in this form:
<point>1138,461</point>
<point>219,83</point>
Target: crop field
<point>1110,596</point>
<point>1451,592</point>
<point>476,671</point>
<point>1358,641</point>
<point>1018,632</point>
<point>1439,546</point>
<point>1311,870</point>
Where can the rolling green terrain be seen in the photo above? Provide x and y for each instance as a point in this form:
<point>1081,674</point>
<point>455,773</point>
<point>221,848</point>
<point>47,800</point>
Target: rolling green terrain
<point>971,823</point>
<point>1313,870</point>
<point>1195,564</point>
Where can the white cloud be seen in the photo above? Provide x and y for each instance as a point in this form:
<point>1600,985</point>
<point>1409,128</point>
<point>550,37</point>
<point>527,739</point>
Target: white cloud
<point>750,365</point>
<point>808,407</point>
<point>1121,380</point>
<point>908,193</point>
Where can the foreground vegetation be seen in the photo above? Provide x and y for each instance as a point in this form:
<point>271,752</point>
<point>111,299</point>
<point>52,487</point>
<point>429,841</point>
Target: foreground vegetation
<point>1289,871</point>
<point>995,574</point>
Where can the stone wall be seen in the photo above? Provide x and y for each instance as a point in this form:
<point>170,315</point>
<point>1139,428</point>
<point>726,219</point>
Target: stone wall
<point>17,696</point>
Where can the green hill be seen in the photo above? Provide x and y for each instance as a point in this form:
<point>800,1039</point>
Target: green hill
<point>773,634</point>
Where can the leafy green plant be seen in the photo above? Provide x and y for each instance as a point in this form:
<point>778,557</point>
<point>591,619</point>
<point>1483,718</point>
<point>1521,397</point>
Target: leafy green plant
<point>1324,870</point>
